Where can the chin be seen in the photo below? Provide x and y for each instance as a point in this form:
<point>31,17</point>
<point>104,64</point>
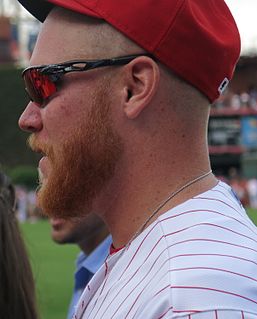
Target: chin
<point>57,239</point>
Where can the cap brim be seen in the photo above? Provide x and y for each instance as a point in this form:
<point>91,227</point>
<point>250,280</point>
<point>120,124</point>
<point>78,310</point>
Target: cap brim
<point>41,8</point>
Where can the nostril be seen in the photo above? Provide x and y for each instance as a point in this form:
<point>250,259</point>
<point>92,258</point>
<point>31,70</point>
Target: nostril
<point>30,126</point>
<point>30,129</point>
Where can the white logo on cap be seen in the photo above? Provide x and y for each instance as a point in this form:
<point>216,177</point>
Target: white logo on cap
<point>223,85</point>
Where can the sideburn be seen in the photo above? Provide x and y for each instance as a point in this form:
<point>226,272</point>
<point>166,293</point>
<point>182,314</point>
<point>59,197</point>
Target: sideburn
<point>84,165</point>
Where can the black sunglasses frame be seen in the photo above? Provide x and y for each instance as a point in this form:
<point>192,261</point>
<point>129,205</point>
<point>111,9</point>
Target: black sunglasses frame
<point>56,71</point>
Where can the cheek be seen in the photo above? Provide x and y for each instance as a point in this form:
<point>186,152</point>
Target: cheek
<point>62,117</point>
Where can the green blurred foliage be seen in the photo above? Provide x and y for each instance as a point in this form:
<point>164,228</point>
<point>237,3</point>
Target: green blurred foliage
<point>24,175</point>
<point>13,148</point>
<point>53,267</point>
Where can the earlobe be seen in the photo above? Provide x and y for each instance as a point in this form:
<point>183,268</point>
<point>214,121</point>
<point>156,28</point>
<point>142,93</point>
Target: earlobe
<point>142,80</point>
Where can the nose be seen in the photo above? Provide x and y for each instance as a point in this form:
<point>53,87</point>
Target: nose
<point>31,120</point>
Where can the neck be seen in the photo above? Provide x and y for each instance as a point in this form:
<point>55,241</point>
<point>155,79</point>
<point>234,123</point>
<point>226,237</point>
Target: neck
<point>144,179</point>
<point>139,194</point>
<point>168,199</point>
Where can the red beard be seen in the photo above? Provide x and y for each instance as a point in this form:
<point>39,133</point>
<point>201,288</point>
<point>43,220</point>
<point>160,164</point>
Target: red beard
<point>81,166</point>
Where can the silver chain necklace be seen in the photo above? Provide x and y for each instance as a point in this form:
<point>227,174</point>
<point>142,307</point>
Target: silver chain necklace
<point>172,195</point>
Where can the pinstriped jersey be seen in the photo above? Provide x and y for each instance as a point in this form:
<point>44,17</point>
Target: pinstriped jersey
<point>196,261</point>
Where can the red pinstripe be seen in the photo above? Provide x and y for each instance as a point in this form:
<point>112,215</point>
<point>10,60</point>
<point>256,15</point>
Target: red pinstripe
<point>161,220</point>
<point>217,200</point>
<point>153,248</point>
<point>228,190</point>
<point>156,273</point>
<point>160,291</point>
<point>230,256</point>
<point>222,186</point>
<point>138,249</point>
<point>148,274</point>
<point>215,312</point>
<point>167,287</point>
<point>148,283</point>
<point>142,278</point>
<point>230,199</point>
<point>228,196</point>
<point>209,211</point>
<point>170,217</point>
<point>155,295</point>
<point>225,195</point>
<point>181,269</point>
<point>170,308</point>
<point>214,241</point>
<point>106,268</point>
<point>106,295</point>
<point>216,255</point>
<point>220,201</point>
<point>215,269</point>
<point>105,281</point>
<point>128,281</point>
<point>212,225</point>
<point>215,290</point>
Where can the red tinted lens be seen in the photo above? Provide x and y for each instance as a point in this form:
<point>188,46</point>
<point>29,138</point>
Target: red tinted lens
<point>39,86</point>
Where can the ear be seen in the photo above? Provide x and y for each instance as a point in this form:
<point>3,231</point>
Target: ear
<point>142,80</point>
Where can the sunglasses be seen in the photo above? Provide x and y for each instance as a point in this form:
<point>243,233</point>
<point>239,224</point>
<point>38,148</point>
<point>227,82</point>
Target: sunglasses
<point>41,82</point>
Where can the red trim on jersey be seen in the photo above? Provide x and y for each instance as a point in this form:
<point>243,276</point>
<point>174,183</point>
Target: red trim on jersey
<point>114,250</point>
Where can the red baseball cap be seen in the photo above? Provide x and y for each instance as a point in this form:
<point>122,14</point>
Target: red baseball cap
<point>196,39</point>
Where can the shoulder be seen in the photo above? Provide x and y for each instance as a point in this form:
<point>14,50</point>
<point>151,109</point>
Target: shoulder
<point>212,215</point>
<point>212,248</point>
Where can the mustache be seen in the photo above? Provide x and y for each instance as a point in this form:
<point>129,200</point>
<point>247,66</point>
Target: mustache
<point>37,146</point>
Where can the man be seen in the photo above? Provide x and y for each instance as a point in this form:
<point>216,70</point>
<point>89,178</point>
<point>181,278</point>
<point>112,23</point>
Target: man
<point>124,136</point>
<point>90,234</point>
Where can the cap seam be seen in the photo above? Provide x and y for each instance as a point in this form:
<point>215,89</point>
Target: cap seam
<point>92,8</point>
<point>105,16</point>
<point>234,22</point>
<point>182,4</point>
<point>95,6</point>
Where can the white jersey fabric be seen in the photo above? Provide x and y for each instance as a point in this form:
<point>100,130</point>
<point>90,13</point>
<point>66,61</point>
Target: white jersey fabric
<point>196,261</point>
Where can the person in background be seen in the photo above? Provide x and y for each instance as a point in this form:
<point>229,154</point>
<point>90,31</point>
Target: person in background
<point>239,185</point>
<point>17,293</point>
<point>252,191</point>
<point>120,100</point>
<point>91,235</point>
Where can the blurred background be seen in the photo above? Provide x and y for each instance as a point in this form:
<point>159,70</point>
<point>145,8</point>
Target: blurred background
<point>232,144</point>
